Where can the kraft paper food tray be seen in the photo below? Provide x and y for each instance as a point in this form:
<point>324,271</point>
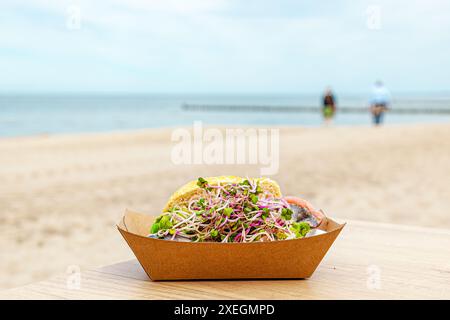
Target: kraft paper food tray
<point>175,260</point>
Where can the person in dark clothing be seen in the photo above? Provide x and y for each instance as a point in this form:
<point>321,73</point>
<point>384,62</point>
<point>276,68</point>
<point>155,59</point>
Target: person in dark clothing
<point>328,106</point>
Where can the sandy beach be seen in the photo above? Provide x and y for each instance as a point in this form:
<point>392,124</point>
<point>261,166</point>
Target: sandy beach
<point>61,196</point>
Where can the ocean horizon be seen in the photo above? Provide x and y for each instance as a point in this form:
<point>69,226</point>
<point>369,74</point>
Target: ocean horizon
<point>34,114</point>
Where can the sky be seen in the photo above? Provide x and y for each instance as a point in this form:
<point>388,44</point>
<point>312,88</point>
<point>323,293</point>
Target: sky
<point>223,46</point>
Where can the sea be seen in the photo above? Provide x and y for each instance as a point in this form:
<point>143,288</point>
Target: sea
<point>26,114</point>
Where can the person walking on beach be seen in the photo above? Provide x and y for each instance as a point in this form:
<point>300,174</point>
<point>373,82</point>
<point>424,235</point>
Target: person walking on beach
<point>328,106</point>
<point>379,102</point>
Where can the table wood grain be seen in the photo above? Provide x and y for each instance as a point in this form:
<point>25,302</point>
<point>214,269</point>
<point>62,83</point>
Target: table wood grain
<point>367,261</point>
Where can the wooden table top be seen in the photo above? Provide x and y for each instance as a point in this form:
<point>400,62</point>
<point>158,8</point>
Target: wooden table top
<point>367,261</point>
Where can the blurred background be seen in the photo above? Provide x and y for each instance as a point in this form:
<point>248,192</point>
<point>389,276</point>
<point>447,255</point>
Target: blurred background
<point>90,93</point>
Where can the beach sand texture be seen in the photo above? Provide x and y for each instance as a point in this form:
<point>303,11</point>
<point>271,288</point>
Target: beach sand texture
<point>60,196</point>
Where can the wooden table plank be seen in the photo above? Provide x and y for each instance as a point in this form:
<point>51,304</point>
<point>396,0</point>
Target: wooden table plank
<point>409,262</point>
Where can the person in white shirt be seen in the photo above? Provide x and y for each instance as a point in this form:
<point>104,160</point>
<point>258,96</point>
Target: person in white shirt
<point>379,102</point>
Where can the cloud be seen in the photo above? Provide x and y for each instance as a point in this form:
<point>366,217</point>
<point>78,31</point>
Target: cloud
<point>223,46</point>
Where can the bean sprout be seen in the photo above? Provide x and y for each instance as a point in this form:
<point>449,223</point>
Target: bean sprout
<point>230,212</point>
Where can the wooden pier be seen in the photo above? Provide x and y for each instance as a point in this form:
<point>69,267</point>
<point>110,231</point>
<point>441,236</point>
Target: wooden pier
<point>303,109</point>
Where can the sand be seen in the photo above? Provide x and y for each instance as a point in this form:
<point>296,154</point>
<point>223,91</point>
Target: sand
<point>60,196</point>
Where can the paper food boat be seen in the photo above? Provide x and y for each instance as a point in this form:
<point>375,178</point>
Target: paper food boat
<point>175,260</point>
